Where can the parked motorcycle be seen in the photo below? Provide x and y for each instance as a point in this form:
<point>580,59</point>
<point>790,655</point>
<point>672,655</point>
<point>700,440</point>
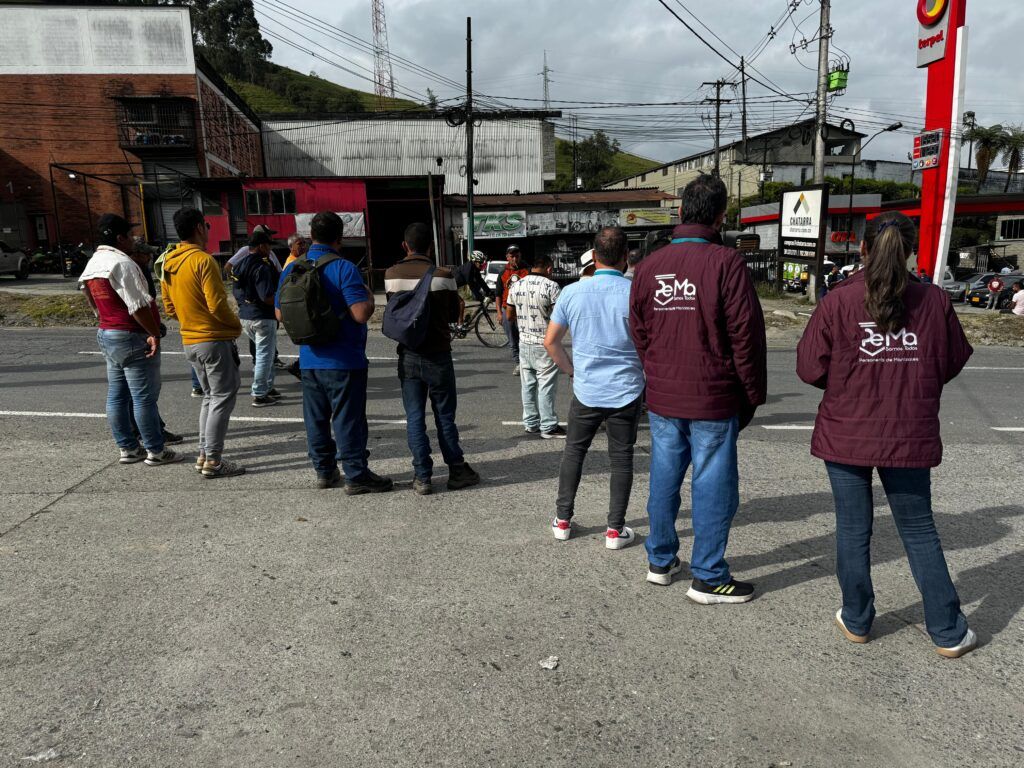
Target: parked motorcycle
<point>74,259</point>
<point>45,262</point>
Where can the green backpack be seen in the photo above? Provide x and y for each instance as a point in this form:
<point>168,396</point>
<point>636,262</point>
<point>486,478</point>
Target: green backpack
<point>306,310</point>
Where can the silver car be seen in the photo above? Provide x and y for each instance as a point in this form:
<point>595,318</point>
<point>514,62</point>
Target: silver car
<point>13,262</point>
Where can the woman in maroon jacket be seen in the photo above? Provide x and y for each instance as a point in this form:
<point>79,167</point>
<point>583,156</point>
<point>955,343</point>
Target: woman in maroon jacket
<point>882,345</point>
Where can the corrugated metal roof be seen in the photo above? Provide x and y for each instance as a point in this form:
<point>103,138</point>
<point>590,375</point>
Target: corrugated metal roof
<point>509,155</point>
<point>602,196</point>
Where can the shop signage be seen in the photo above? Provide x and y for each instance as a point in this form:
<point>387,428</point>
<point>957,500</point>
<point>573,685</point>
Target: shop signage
<point>355,223</point>
<point>933,32</point>
<point>927,150</point>
<point>647,217</point>
<point>495,225</point>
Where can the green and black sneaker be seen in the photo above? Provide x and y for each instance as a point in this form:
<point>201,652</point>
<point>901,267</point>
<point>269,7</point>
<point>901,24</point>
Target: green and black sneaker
<point>731,592</point>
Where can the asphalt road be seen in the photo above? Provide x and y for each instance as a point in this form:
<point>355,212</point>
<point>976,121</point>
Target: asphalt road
<point>154,618</point>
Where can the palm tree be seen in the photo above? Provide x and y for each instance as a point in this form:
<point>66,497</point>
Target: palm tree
<point>1013,152</point>
<point>988,143</point>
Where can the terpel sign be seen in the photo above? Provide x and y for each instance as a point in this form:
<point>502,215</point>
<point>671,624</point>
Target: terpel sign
<point>931,38</point>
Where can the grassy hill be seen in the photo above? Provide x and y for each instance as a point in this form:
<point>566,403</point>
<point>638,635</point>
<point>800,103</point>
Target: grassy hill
<point>623,164</point>
<point>283,90</point>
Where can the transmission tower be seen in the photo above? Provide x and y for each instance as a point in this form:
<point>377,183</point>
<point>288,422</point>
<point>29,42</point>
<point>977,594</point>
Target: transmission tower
<point>545,73</point>
<point>383,76</point>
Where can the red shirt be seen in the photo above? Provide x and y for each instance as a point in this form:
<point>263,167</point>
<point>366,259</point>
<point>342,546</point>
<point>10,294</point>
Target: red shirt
<point>114,314</point>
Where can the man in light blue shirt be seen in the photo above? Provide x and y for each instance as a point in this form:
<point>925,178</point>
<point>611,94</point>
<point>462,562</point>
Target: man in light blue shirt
<point>608,382</point>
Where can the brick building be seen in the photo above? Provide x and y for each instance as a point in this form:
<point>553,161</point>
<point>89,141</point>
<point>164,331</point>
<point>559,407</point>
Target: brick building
<point>110,109</point>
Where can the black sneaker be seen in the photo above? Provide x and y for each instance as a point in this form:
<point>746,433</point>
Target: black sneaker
<point>422,487</point>
<point>333,480</point>
<point>369,483</point>
<point>196,392</point>
<point>279,363</point>
<point>295,370</point>
<point>274,394</point>
<point>731,592</point>
<point>531,430</point>
<point>264,401</point>
<point>662,574</point>
<point>555,433</point>
<point>462,476</point>
<point>170,438</point>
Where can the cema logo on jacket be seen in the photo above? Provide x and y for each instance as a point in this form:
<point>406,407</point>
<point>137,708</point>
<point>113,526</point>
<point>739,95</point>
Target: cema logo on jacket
<point>898,344</point>
<point>671,291</point>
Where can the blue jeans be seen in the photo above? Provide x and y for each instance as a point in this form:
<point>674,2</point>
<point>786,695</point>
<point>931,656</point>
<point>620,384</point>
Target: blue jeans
<point>711,447</point>
<point>195,379</point>
<point>910,499</point>
<point>431,376</point>
<point>336,400</point>
<point>263,334</point>
<point>133,388</point>
<point>539,384</point>
<point>512,331</point>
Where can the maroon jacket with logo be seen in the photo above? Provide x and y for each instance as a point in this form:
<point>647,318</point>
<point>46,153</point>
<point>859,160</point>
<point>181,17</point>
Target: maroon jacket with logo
<point>699,329</point>
<point>881,403</point>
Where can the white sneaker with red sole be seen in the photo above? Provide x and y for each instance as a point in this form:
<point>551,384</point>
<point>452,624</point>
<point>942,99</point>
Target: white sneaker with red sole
<point>562,529</point>
<point>615,540</point>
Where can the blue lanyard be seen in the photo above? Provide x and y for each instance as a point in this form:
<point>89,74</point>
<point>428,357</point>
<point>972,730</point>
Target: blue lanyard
<point>679,240</point>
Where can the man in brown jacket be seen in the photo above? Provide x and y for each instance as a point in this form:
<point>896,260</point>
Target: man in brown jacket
<point>699,330</point>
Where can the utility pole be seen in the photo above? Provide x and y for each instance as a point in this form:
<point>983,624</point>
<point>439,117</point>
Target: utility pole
<point>824,33</point>
<point>743,96</point>
<point>718,101</point>
<point>820,119</point>
<point>575,170</point>
<point>469,136</point>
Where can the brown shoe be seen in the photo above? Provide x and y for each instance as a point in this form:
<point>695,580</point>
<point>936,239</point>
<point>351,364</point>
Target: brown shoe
<point>859,639</point>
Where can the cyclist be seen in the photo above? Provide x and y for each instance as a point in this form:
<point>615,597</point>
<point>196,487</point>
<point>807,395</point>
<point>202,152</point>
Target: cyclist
<point>468,274</point>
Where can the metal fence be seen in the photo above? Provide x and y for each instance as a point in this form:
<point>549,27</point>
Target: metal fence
<point>763,266</point>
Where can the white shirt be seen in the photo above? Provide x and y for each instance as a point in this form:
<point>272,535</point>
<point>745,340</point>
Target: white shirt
<point>534,298</point>
<point>123,274</point>
<point>242,252</point>
<point>1018,302</point>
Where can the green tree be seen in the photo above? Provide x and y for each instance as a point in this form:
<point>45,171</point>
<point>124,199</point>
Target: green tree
<point>1013,152</point>
<point>595,159</point>
<point>988,143</point>
<point>431,100</point>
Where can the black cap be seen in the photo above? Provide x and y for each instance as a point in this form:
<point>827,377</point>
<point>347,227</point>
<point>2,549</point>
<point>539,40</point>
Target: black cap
<point>512,249</point>
<point>112,225</point>
<point>259,238</point>
<point>264,229</point>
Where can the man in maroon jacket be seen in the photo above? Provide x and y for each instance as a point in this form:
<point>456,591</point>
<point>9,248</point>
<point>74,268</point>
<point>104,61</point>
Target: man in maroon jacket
<point>698,327</point>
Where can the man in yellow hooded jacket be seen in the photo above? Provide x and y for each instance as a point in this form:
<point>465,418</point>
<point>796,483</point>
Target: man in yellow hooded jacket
<point>193,293</point>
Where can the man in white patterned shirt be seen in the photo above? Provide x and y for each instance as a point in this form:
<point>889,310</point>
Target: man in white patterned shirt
<point>531,301</point>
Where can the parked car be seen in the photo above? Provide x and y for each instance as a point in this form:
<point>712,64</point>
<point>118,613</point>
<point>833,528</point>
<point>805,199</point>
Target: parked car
<point>978,297</point>
<point>492,272</point>
<point>958,288</point>
<point>13,262</point>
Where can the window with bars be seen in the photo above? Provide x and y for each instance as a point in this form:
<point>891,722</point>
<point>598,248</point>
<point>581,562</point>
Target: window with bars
<point>1011,229</point>
<point>263,202</point>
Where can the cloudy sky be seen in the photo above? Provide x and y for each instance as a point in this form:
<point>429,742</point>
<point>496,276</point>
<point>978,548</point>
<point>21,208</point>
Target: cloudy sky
<point>635,51</point>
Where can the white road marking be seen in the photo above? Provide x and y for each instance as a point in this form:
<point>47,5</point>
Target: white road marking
<point>283,357</point>
<point>989,368</point>
<point>1008,429</point>
<point>787,426</point>
<point>258,419</point>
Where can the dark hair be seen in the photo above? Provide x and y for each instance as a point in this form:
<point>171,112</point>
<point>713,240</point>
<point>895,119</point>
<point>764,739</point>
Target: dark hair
<point>659,238</point>
<point>542,261</point>
<point>634,257</point>
<point>703,201</point>
<point>1020,284</point>
<point>187,220</point>
<point>418,237</point>
<point>108,237</point>
<point>326,228</point>
<point>890,239</point>
<point>610,245</point>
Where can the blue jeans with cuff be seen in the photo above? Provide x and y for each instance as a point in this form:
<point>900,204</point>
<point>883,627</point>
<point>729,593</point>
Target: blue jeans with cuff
<point>263,334</point>
<point>335,401</point>
<point>711,447</point>
<point>910,499</point>
<point>433,377</point>
<point>133,388</point>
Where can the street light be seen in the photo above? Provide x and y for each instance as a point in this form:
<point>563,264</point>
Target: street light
<point>853,175</point>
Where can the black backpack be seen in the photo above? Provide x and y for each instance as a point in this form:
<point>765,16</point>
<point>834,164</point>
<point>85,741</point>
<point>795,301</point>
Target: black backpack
<point>408,314</point>
<point>306,310</point>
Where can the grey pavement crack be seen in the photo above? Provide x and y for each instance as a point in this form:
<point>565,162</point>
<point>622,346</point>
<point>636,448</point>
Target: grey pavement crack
<point>64,494</point>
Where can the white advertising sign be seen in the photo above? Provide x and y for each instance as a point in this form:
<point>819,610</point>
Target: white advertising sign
<point>802,214</point>
<point>355,223</point>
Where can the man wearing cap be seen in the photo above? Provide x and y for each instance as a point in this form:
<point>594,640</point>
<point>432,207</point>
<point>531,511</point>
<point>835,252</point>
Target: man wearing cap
<point>587,265</point>
<point>129,337</point>
<point>241,253</point>
<point>513,273</point>
<point>254,289</point>
<point>193,292</point>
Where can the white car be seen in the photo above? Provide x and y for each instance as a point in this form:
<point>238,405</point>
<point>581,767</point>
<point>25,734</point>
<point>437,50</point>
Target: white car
<point>13,262</point>
<point>493,272</point>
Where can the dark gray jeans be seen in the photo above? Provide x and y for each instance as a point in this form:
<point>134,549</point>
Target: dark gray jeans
<point>584,421</point>
<point>216,366</point>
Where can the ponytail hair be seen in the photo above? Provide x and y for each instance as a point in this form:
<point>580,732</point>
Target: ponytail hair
<point>890,240</point>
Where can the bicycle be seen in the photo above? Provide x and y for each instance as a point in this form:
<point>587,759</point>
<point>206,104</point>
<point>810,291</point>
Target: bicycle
<point>488,330</point>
